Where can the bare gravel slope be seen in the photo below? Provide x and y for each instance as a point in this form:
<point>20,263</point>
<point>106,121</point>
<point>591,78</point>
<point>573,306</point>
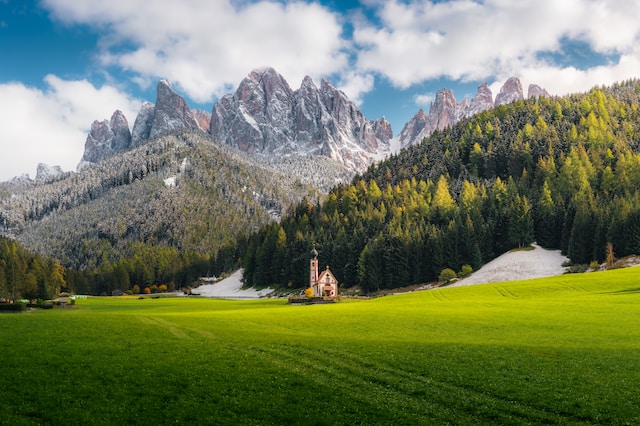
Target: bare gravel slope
<point>518,265</point>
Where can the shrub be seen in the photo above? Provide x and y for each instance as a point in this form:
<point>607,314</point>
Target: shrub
<point>578,268</point>
<point>13,307</point>
<point>447,275</point>
<point>40,305</point>
<point>309,292</point>
<point>466,271</point>
<point>594,265</point>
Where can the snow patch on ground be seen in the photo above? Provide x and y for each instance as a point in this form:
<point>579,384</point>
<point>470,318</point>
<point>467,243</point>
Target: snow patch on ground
<point>231,288</point>
<point>518,265</point>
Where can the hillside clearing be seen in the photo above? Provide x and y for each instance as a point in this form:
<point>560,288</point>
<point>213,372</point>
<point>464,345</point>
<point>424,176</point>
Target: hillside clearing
<point>518,265</point>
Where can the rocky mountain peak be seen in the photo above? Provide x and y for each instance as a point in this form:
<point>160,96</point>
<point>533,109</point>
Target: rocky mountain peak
<point>171,111</point>
<point>142,126</point>
<point>107,138</point>
<point>45,171</point>
<point>412,131</point>
<point>444,111</point>
<point>536,91</point>
<point>482,101</point>
<point>266,116</point>
<point>382,129</point>
<point>511,91</point>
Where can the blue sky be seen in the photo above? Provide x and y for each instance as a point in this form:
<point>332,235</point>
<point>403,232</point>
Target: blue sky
<point>66,63</point>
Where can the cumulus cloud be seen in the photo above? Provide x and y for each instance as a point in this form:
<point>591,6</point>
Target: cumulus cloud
<point>424,99</point>
<point>207,47</point>
<point>470,41</point>
<point>51,125</point>
<point>354,85</point>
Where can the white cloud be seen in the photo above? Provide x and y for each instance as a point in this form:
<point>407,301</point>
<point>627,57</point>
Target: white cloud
<point>355,85</point>
<point>51,125</point>
<point>470,41</point>
<point>206,47</point>
<point>424,99</point>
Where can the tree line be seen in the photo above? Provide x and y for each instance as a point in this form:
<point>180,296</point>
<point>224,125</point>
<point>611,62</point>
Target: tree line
<point>25,275</point>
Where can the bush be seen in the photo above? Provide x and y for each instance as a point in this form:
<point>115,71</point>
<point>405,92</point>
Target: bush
<point>578,268</point>
<point>466,271</point>
<point>40,305</point>
<point>447,275</point>
<point>13,307</point>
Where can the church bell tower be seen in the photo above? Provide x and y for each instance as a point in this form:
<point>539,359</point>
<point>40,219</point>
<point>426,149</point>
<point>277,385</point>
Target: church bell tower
<point>313,272</point>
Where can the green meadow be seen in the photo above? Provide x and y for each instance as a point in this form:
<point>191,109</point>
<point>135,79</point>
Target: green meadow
<point>563,350</point>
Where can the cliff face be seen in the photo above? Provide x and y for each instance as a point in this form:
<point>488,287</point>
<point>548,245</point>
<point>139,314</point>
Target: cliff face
<point>511,91</point>
<point>107,138</point>
<point>170,112</point>
<point>266,116</point>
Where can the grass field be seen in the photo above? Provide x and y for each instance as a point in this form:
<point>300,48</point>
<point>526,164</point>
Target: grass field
<point>563,350</point>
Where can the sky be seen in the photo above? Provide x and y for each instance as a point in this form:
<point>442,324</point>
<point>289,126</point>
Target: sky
<point>66,63</point>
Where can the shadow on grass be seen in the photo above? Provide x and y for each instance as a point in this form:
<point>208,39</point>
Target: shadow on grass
<point>625,291</point>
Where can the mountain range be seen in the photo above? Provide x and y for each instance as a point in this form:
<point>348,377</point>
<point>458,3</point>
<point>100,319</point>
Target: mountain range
<point>265,116</point>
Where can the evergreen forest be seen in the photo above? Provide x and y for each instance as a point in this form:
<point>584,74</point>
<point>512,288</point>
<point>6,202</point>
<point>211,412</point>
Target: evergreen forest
<point>561,171</point>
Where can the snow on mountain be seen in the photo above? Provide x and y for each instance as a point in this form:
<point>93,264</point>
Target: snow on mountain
<point>265,116</point>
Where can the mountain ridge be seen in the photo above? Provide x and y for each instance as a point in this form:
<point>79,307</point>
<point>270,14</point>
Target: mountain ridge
<point>265,116</point>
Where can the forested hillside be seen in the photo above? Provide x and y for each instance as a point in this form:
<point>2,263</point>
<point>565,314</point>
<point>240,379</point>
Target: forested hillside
<point>168,211</point>
<point>564,172</point>
<point>23,274</point>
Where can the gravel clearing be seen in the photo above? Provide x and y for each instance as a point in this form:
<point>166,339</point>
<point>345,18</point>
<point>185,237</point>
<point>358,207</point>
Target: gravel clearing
<point>231,288</point>
<point>518,265</point>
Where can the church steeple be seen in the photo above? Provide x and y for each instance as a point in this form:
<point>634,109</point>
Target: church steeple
<point>313,271</point>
